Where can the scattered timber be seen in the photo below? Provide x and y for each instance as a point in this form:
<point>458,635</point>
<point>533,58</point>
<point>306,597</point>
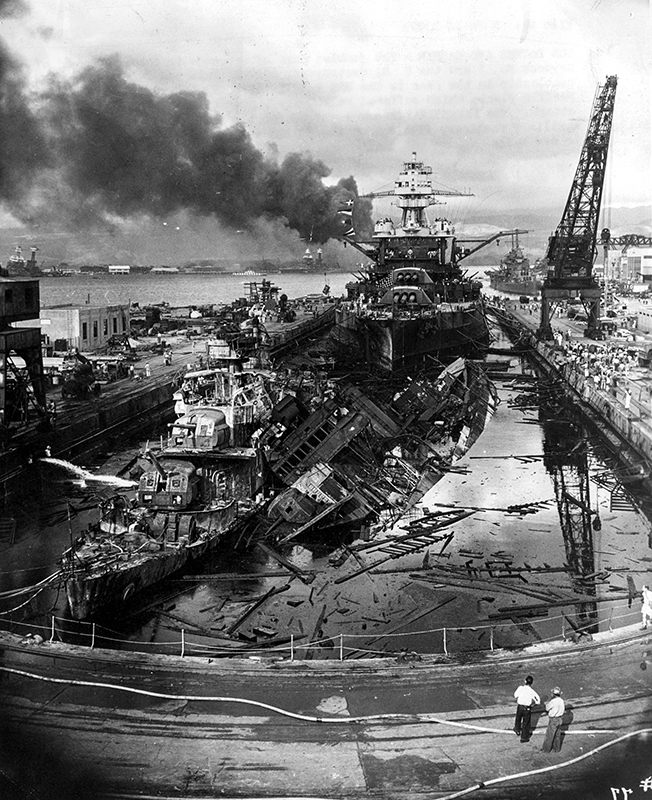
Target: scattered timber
<point>253,608</point>
<point>316,635</point>
<point>411,618</point>
<point>535,610</point>
<point>306,577</point>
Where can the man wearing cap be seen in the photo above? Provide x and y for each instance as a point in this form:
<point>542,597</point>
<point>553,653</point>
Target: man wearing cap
<point>555,708</point>
<point>526,697</point>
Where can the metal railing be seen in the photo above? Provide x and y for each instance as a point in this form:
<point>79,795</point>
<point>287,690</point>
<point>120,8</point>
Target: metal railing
<point>341,645</point>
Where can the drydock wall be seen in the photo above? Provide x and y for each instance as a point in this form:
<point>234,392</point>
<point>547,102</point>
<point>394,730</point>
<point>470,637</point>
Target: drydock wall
<point>79,427</point>
<point>634,430</point>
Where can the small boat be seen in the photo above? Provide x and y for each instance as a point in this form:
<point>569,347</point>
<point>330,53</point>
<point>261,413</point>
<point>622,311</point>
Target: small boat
<point>249,272</point>
<point>203,484</point>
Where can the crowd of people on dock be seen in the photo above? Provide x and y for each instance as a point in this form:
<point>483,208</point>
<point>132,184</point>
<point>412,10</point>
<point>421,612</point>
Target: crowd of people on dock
<point>603,364</point>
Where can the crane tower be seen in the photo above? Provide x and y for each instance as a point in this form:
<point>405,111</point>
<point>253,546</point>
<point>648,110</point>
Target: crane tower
<point>572,248</point>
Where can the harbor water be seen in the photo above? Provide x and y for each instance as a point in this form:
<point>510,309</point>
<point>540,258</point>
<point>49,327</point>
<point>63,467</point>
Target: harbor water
<point>179,289</point>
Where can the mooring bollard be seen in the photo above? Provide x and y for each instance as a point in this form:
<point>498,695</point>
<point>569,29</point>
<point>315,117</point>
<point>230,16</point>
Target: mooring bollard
<point>445,648</point>
<point>52,634</point>
<point>341,647</point>
<point>93,636</point>
<point>291,647</point>
<point>183,642</point>
<point>491,638</point>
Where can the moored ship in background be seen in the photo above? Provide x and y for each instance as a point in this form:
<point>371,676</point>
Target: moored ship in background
<point>516,275</point>
<point>413,306</point>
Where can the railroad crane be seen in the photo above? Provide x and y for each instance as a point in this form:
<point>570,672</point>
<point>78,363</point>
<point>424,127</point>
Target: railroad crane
<point>571,249</point>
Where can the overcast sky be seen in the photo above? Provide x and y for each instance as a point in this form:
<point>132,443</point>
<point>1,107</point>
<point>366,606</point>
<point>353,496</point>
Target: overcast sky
<point>495,96</point>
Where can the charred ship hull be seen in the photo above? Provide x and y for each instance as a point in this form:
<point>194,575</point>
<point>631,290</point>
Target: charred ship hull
<point>93,586</point>
<point>201,486</point>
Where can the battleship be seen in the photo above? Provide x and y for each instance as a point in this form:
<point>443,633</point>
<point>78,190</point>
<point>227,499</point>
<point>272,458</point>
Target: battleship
<point>515,275</point>
<point>412,306</point>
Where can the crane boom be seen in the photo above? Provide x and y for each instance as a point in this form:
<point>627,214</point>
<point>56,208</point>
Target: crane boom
<point>571,249</point>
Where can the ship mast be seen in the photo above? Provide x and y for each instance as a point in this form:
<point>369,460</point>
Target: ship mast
<point>414,192</point>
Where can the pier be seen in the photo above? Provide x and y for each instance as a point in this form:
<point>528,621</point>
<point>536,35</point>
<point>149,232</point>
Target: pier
<point>620,405</point>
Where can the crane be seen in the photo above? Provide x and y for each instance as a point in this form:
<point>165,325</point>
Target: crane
<point>572,248</point>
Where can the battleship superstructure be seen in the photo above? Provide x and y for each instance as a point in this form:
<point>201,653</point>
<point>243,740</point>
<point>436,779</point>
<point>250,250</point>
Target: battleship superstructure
<point>413,305</point>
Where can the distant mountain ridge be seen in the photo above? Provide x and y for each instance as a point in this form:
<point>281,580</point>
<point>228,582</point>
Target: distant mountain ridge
<point>137,247</point>
<point>541,224</point>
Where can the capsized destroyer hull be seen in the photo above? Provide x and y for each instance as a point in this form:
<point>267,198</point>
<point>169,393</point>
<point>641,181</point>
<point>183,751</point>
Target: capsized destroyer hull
<point>372,447</point>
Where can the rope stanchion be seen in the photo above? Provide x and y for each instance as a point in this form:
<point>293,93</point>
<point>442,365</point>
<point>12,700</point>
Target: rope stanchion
<point>89,631</point>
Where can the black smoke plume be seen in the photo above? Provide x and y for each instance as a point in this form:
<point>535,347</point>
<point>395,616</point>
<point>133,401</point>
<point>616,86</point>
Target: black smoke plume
<point>102,149</point>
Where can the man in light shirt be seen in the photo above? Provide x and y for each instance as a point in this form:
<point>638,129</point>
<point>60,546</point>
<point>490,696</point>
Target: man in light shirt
<point>646,608</point>
<point>555,708</point>
<point>526,697</point>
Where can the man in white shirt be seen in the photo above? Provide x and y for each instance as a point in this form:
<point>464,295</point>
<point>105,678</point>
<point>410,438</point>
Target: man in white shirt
<point>526,697</point>
<point>555,708</point>
<point>646,608</point>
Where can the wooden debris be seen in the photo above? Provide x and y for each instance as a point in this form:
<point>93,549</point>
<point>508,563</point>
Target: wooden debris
<point>416,615</point>
<point>218,606</point>
<point>191,626</point>
<point>307,653</point>
<point>243,617</point>
<point>306,577</point>
<point>261,630</point>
